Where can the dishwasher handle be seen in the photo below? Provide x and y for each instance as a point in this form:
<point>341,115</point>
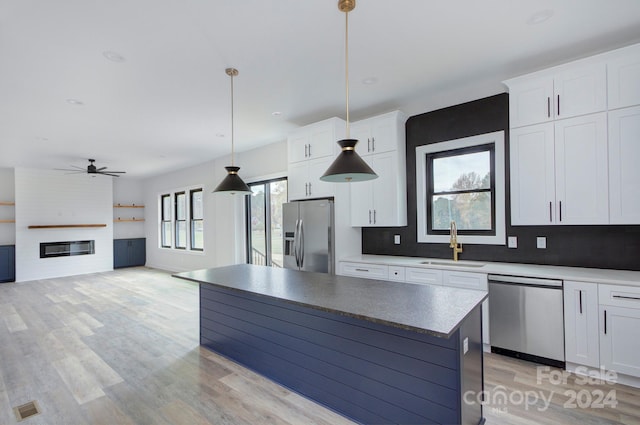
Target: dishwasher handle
<point>519,280</point>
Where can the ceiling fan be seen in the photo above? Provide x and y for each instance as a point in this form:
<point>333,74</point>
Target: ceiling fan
<point>92,169</point>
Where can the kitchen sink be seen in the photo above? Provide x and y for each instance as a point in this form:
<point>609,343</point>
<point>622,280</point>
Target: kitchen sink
<point>452,264</point>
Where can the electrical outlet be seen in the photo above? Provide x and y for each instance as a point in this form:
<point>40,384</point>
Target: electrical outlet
<point>512,242</point>
<point>541,242</point>
<point>396,239</point>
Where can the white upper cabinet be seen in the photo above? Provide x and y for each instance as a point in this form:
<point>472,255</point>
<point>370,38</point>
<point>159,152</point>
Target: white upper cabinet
<point>624,172</point>
<point>562,92</point>
<point>311,150</point>
<point>623,74</point>
<point>381,143</point>
<point>582,189</point>
<point>315,140</point>
<point>378,134</point>
<point>533,186</point>
<point>559,172</point>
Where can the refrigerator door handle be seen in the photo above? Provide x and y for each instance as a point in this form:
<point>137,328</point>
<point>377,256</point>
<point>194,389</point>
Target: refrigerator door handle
<point>301,241</point>
<point>295,244</point>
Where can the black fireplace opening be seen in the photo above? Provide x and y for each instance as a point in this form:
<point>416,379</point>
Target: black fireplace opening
<point>67,248</point>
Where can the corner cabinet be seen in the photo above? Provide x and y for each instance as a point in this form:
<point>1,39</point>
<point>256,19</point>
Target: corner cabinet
<point>582,344</point>
<point>381,143</point>
<point>311,150</point>
<point>129,252</point>
<point>573,133</point>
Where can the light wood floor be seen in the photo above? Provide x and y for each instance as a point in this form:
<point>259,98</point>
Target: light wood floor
<point>122,348</point>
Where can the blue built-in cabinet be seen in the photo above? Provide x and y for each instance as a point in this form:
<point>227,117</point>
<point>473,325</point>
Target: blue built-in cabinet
<point>129,252</point>
<point>7,263</point>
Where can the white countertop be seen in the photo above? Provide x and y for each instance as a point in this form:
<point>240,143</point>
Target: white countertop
<point>582,274</point>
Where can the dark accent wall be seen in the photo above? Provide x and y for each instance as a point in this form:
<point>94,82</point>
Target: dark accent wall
<point>611,247</point>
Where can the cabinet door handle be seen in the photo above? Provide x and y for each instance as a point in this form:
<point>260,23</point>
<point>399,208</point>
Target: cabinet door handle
<point>560,210</point>
<point>305,150</point>
<point>374,216</point>
<point>550,212</point>
<point>548,107</point>
<point>373,144</point>
<point>309,150</point>
<point>605,322</point>
<point>580,293</point>
<point>309,186</point>
<point>306,189</point>
<point>368,145</point>
<point>558,105</point>
<point>369,216</point>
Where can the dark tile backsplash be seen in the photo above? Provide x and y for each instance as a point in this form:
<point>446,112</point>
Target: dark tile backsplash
<point>612,247</point>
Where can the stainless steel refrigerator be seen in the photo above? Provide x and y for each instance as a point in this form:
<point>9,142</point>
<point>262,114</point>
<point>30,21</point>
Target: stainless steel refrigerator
<point>309,235</point>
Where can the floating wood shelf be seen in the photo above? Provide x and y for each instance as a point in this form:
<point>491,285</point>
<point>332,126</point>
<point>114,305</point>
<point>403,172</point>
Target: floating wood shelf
<point>8,204</point>
<point>64,226</point>
<point>119,220</point>
<point>128,206</point>
<point>7,221</point>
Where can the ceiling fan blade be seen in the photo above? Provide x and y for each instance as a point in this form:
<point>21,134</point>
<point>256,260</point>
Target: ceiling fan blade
<point>109,174</point>
<point>81,170</point>
<point>113,172</point>
<point>101,168</point>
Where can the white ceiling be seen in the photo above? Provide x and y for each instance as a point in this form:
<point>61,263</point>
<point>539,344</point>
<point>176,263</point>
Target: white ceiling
<point>167,106</point>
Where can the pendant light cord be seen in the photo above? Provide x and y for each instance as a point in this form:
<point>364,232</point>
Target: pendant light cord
<point>232,151</point>
<point>346,60</point>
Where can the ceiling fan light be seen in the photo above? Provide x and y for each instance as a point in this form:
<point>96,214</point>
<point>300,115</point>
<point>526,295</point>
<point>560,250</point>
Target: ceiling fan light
<point>348,167</point>
<point>232,183</point>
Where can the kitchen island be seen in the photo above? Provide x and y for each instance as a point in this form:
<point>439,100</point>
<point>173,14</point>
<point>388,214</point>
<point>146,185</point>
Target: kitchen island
<point>374,351</point>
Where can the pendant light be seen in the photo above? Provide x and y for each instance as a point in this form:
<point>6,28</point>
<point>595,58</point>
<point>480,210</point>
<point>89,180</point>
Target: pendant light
<point>348,166</point>
<point>232,183</point>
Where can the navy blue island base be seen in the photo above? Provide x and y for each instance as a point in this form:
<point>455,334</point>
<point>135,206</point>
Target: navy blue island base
<point>335,341</point>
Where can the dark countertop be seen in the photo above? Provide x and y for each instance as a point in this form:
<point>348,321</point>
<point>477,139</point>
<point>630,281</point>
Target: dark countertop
<point>435,310</point>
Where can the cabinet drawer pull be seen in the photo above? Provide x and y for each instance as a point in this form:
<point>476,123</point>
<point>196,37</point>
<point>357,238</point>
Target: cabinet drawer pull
<point>560,210</point>
<point>626,297</point>
<point>580,292</point>
<point>558,105</point>
<point>550,212</point>
<point>605,322</point>
<point>362,270</point>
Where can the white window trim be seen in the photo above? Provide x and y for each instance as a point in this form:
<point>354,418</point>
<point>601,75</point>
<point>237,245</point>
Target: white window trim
<point>497,138</point>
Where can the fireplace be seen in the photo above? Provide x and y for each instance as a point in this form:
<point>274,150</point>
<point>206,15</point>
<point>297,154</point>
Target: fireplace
<point>65,249</point>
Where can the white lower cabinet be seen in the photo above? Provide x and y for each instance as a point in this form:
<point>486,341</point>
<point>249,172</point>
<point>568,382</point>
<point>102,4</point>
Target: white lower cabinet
<point>581,323</point>
<point>367,271</point>
<point>620,328</point>
<point>423,276</point>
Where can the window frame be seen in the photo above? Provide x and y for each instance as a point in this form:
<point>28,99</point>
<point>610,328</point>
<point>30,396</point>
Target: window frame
<point>164,220</point>
<point>430,157</point>
<point>174,222</point>
<point>192,220</point>
<point>497,139</point>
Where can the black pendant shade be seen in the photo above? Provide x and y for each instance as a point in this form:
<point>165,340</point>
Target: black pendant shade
<point>348,166</point>
<point>232,183</point>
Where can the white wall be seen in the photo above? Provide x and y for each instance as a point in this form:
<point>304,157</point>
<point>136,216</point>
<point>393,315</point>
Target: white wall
<point>127,191</point>
<point>7,194</point>
<point>50,197</point>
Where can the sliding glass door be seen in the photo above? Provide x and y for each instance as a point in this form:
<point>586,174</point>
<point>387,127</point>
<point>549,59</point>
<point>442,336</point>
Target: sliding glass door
<point>264,222</point>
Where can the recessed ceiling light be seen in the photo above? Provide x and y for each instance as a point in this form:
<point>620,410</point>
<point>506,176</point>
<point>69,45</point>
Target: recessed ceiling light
<point>219,134</point>
<point>75,102</point>
<point>113,56</point>
<point>540,17</point>
<point>370,80</point>
<point>276,113</point>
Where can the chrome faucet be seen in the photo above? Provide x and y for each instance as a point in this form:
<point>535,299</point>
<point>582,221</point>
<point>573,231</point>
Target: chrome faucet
<point>453,241</point>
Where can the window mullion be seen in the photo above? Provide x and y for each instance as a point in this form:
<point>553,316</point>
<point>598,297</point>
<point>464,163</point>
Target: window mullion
<point>267,222</point>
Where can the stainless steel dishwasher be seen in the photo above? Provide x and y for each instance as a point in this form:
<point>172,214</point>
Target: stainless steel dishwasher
<point>527,318</point>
